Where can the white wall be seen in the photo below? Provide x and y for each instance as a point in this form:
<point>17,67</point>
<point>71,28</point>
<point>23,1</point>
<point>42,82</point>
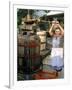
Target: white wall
<point>4,44</point>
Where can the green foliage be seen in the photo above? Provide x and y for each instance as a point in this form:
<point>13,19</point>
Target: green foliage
<point>23,12</point>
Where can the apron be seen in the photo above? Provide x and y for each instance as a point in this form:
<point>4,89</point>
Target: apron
<point>57,55</point>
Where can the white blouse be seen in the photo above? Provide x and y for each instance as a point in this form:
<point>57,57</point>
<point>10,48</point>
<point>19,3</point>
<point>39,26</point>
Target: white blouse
<point>55,42</point>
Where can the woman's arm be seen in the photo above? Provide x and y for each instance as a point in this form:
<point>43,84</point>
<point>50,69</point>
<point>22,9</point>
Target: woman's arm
<point>50,30</point>
<point>62,30</point>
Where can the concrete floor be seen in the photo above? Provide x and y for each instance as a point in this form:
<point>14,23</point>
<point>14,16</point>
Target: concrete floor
<point>47,66</point>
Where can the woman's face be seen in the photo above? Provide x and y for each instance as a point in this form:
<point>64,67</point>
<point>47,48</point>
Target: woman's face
<point>57,32</point>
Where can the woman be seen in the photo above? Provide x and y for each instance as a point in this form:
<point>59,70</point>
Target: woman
<point>57,32</point>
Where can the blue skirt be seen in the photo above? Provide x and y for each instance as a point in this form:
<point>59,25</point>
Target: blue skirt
<point>57,61</point>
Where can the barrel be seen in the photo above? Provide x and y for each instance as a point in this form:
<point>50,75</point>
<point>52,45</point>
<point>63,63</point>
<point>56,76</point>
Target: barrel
<point>29,51</point>
<point>42,35</point>
<point>21,38</point>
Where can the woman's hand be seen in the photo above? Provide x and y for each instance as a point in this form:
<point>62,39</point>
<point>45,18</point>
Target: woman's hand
<point>55,24</point>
